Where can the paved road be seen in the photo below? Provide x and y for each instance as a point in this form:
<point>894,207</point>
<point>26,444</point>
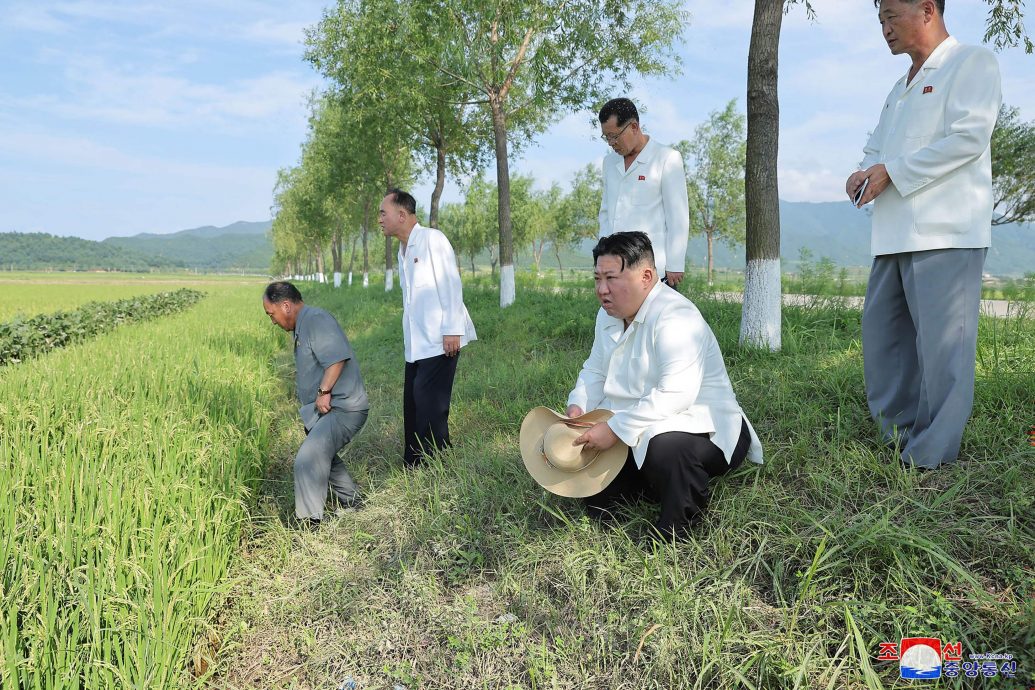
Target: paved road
<point>989,307</point>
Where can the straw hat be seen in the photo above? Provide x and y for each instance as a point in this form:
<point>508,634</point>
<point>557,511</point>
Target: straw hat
<point>560,467</point>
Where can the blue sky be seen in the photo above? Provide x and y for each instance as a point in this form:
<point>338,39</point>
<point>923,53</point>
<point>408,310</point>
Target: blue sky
<point>119,117</point>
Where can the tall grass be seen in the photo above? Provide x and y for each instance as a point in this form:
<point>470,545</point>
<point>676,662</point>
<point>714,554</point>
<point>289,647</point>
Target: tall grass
<point>126,463</point>
<point>465,574</point>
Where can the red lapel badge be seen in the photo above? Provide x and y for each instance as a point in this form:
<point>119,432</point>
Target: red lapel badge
<point>928,89</point>
<point>642,178</point>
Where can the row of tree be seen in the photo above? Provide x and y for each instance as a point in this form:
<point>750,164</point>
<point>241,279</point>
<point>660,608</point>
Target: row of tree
<point>445,86</point>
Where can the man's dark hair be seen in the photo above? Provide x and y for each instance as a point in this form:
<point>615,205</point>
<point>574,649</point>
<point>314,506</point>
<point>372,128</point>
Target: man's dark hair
<point>622,108</point>
<point>280,291</point>
<point>630,247</point>
<point>404,199</point>
<point>940,4</point>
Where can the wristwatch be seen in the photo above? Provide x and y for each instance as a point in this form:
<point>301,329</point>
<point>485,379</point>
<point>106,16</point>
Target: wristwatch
<point>320,391</point>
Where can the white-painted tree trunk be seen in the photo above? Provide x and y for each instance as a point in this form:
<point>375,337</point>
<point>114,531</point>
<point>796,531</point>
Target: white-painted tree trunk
<point>388,280</point>
<point>760,321</point>
<point>350,278</point>
<point>366,279</point>
<point>337,279</point>
<point>507,291</point>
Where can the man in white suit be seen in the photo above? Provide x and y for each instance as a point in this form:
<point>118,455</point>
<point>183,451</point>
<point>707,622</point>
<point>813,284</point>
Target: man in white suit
<point>435,324</point>
<point>644,188</point>
<point>928,169</point>
<point>657,366</point>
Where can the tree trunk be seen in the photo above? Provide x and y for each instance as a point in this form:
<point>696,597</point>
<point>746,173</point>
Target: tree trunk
<point>336,250</point>
<point>366,250</point>
<point>388,264</point>
<point>760,318</point>
<point>499,130</point>
<point>557,253</point>
<point>440,183</point>
<point>711,262</point>
<point>321,273</point>
<point>473,269</point>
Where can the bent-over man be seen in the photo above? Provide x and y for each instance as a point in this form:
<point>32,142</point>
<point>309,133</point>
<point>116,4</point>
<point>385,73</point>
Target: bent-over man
<point>334,401</point>
<point>657,366</point>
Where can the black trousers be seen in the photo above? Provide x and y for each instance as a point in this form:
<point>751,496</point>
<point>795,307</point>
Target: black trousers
<point>426,395</point>
<point>675,472</point>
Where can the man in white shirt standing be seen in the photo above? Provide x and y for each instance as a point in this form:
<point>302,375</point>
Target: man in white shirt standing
<point>644,188</point>
<point>435,324</point>
<point>657,366</point>
<point>928,169</point>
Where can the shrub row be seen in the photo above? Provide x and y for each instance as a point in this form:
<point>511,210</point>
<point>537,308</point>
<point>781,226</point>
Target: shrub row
<point>22,339</point>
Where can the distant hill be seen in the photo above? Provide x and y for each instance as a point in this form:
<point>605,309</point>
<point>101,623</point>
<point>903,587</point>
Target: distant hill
<point>37,251</point>
<point>841,232</point>
<point>241,246</point>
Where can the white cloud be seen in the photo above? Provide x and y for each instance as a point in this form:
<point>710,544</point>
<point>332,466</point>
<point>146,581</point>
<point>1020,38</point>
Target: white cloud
<point>288,33</point>
<point>103,93</point>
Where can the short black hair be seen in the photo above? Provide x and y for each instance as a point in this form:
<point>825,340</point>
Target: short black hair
<point>281,290</point>
<point>622,108</point>
<point>403,199</point>
<point>940,4</point>
<point>630,247</point>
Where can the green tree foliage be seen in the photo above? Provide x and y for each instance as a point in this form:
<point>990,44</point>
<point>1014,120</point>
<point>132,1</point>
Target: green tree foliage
<point>530,60</point>
<point>715,178</point>
<point>372,63</point>
<point>1013,169</point>
<point>39,251</point>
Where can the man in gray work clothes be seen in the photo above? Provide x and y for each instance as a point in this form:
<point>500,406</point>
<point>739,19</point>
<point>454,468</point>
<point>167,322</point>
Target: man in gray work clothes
<point>334,402</point>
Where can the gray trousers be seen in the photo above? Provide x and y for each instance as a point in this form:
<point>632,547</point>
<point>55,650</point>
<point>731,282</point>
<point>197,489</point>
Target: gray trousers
<point>919,338</point>
<point>318,466</point>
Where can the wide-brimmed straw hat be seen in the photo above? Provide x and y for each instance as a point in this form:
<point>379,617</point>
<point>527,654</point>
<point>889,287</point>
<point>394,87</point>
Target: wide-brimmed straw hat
<point>560,467</point>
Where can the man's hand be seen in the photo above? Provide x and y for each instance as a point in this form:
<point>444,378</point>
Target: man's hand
<point>879,181</point>
<point>323,403</point>
<point>600,437</point>
<point>673,278</point>
<point>574,411</point>
<point>451,345</point>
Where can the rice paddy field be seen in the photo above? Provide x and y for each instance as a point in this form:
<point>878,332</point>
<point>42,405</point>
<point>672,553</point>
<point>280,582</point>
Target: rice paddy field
<point>127,463</point>
<point>148,539</point>
<point>28,294</point>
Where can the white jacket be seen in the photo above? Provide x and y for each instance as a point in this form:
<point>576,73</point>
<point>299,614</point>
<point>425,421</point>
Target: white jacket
<point>663,373</point>
<point>650,197</point>
<point>433,299</point>
<point>933,137</point>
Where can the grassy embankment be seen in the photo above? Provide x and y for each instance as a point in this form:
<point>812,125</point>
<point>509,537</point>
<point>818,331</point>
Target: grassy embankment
<point>127,462</point>
<point>465,574</point>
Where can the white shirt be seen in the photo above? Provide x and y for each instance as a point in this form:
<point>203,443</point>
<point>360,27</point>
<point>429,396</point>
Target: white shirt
<point>933,137</point>
<point>663,373</point>
<point>650,197</point>
<point>433,299</point>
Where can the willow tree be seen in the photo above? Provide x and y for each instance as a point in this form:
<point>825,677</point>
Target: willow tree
<point>528,61</point>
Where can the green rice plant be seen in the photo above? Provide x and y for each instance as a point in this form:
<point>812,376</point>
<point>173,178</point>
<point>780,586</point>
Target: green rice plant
<point>127,463</point>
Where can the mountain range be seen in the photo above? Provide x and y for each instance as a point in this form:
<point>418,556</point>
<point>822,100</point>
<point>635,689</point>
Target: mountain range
<point>834,230</point>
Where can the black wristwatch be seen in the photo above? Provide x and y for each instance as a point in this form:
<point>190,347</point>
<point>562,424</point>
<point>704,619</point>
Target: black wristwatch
<point>320,391</point>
